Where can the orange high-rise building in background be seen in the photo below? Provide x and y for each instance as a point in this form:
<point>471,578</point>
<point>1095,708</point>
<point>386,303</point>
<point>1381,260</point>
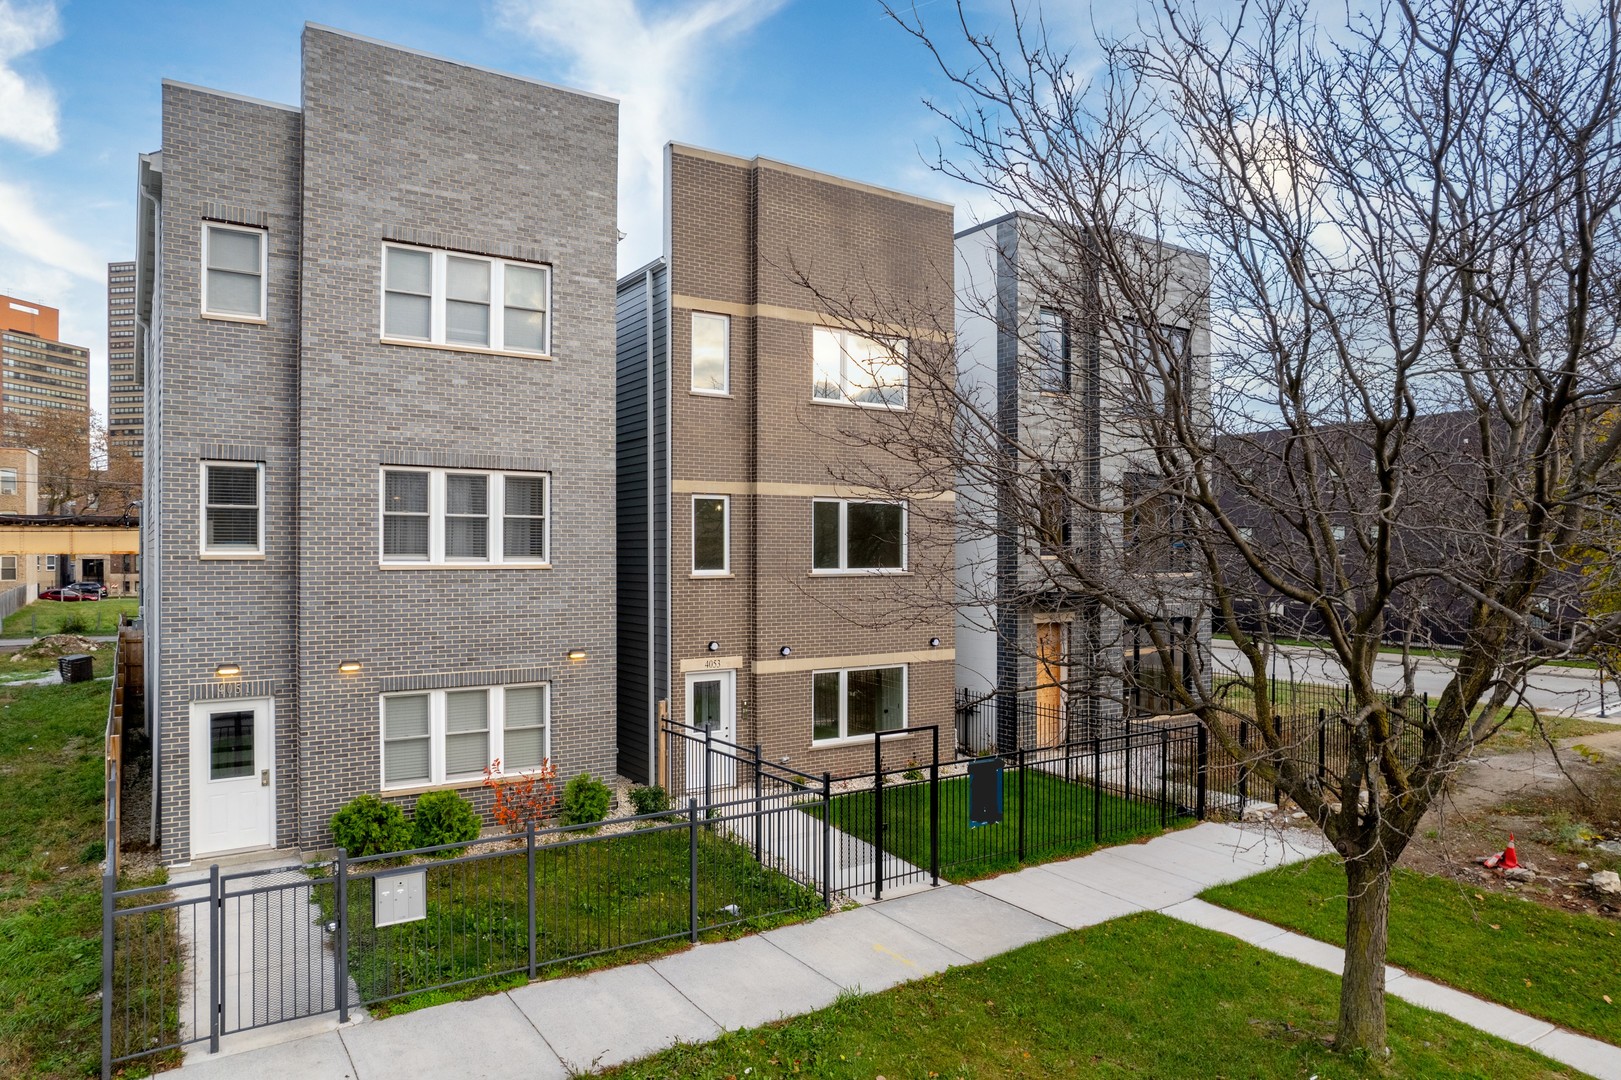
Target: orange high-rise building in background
<point>41,372</point>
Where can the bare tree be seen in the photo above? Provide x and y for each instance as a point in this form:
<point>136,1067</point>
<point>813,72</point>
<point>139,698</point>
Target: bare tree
<point>1406,213</point>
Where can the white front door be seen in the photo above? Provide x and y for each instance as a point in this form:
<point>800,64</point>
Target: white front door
<point>712,707</point>
<point>232,776</point>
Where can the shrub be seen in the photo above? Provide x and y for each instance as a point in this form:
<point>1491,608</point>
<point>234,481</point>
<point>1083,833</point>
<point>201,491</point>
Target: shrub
<point>650,800</point>
<point>73,624</point>
<point>524,800</point>
<point>912,771</point>
<point>444,817</point>
<point>585,799</point>
<point>369,826</point>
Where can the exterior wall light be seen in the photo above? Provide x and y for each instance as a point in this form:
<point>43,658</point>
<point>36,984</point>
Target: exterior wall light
<point>714,646</point>
<point>225,671</point>
<point>576,654</point>
<point>348,667</point>
<point>934,643</point>
<point>785,651</point>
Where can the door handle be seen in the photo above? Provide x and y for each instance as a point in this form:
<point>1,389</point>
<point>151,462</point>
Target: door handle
<point>264,777</point>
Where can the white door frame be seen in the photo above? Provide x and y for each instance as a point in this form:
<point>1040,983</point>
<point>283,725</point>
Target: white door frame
<point>723,770</point>
<point>264,761</point>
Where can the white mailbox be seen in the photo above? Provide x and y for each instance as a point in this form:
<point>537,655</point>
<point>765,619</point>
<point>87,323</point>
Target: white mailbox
<point>400,898</point>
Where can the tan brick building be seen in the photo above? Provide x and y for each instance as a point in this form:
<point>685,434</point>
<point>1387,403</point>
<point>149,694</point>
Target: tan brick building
<point>766,592</point>
<point>41,372</point>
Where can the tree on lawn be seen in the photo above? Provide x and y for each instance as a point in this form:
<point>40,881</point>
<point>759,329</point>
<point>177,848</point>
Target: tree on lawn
<point>1406,214</point>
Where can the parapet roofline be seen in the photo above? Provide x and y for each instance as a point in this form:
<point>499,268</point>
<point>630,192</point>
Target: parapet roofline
<point>234,97</point>
<point>351,35</point>
<point>813,174</point>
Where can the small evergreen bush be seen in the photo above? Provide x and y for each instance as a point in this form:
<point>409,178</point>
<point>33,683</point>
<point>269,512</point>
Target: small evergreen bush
<point>444,817</point>
<point>369,826</point>
<point>650,800</point>
<point>585,799</point>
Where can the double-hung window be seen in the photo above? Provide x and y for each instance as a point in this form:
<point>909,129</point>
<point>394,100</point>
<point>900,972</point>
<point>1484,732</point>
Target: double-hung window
<point>857,370</point>
<point>449,736</point>
<point>711,359</point>
<point>433,297</point>
<point>233,509</point>
<point>851,535</point>
<point>8,568</point>
<point>857,701</point>
<point>459,516</point>
<point>711,534</point>
<point>234,271</point>
<point>8,481</point>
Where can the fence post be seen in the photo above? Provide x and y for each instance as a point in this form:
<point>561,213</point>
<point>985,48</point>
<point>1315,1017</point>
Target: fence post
<point>1097,789</point>
<point>1164,782</point>
<point>1322,747</point>
<point>1243,767</point>
<point>529,850</point>
<point>692,870</point>
<point>216,959</point>
<point>709,757</point>
<point>759,794</point>
<point>934,811</point>
<point>109,884</point>
<point>340,976</point>
<point>827,841</point>
<point>1201,768</point>
<point>1022,802</point>
<point>877,816</point>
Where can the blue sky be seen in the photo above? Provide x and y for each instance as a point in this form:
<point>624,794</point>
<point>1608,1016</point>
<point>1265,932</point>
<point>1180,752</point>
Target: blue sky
<point>829,84</point>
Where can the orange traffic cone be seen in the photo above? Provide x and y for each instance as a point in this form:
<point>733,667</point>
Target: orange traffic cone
<point>1510,860</point>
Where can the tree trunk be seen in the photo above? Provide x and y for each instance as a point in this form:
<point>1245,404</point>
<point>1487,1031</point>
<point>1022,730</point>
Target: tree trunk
<point>1362,987</point>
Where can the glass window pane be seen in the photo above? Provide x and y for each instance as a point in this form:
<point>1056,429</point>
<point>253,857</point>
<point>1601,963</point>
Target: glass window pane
<point>827,382</point>
<point>233,486</point>
<point>466,494</point>
<point>231,249</point>
<point>467,324</point>
<point>409,271</point>
<point>405,717</point>
<point>405,492</point>
<point>406,316</point>
<point>875,701</point>
<point>404,762</point>
<point>467,279</point>
<point>825,536</point>
<point>526,495</point>
<point>706,704</point>
<point>524,330</point>
<point>524,538</point>
<point>230,745</point>
<point>825,705</point>
<point>467,538</point>
<point>709,345</point>
<point>524,748</point>
<point>233,527</point>
<point>875,536</point>
<point>709,534</point>
<point>231,293</point>
<point>405,535</point>
<point>466,755</point>
<point>524,287</point>
<point>467,710</point>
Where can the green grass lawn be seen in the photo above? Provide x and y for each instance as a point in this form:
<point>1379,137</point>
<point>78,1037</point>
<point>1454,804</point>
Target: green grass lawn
<point>1141,997</point>
<point>1058,823</point>
<point>44,617</point>
<point>17,670</point>
<point>1553,964</point>
<point>613,897</point>
<point>50,900</point>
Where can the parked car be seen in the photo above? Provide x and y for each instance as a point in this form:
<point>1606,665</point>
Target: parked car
<point>79,590</point>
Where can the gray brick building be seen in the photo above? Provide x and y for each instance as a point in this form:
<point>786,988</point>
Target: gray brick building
<point>378,334</point>
<point>774,587</point>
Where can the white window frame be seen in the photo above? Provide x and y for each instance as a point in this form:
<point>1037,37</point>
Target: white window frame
<point>436,302</point>
<point>264,275</point>
<point>725,359</point>
<point>8,481</point>
<point>844,567</point>
<point>50,563</point>
<point>8,568</point>
<point>497,705</point>
<point>496,553</point>
<point>844,702</point>
<point>258,551</point>
<point>726,537</point>
<point>898,344</point>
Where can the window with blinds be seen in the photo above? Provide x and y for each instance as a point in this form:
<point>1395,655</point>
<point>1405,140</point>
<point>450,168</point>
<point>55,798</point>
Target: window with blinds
<point>233,497</point>
<point>451,736</point>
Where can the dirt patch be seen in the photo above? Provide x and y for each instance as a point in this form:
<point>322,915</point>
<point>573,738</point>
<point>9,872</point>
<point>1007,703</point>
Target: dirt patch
<point>1564,813</point>
<point>55,646</point>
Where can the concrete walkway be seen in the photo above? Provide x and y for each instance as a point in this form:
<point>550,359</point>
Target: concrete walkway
<point>563,1026</point>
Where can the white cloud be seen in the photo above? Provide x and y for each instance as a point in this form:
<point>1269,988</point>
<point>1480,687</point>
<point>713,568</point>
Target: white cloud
<point>27,108</point>
<point>26,231</point>
<point>655,65</point>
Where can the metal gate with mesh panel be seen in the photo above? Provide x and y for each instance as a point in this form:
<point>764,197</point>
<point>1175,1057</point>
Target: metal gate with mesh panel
<point>277,949</point>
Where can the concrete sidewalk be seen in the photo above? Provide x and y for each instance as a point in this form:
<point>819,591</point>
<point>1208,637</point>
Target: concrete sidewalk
<point>563,1026</point>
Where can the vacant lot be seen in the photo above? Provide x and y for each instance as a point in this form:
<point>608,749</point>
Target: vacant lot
<point>45,617</point>
<point>1143,996</point>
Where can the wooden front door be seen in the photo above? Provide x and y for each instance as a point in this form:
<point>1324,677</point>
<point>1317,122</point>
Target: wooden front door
<point>1050,683</point>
